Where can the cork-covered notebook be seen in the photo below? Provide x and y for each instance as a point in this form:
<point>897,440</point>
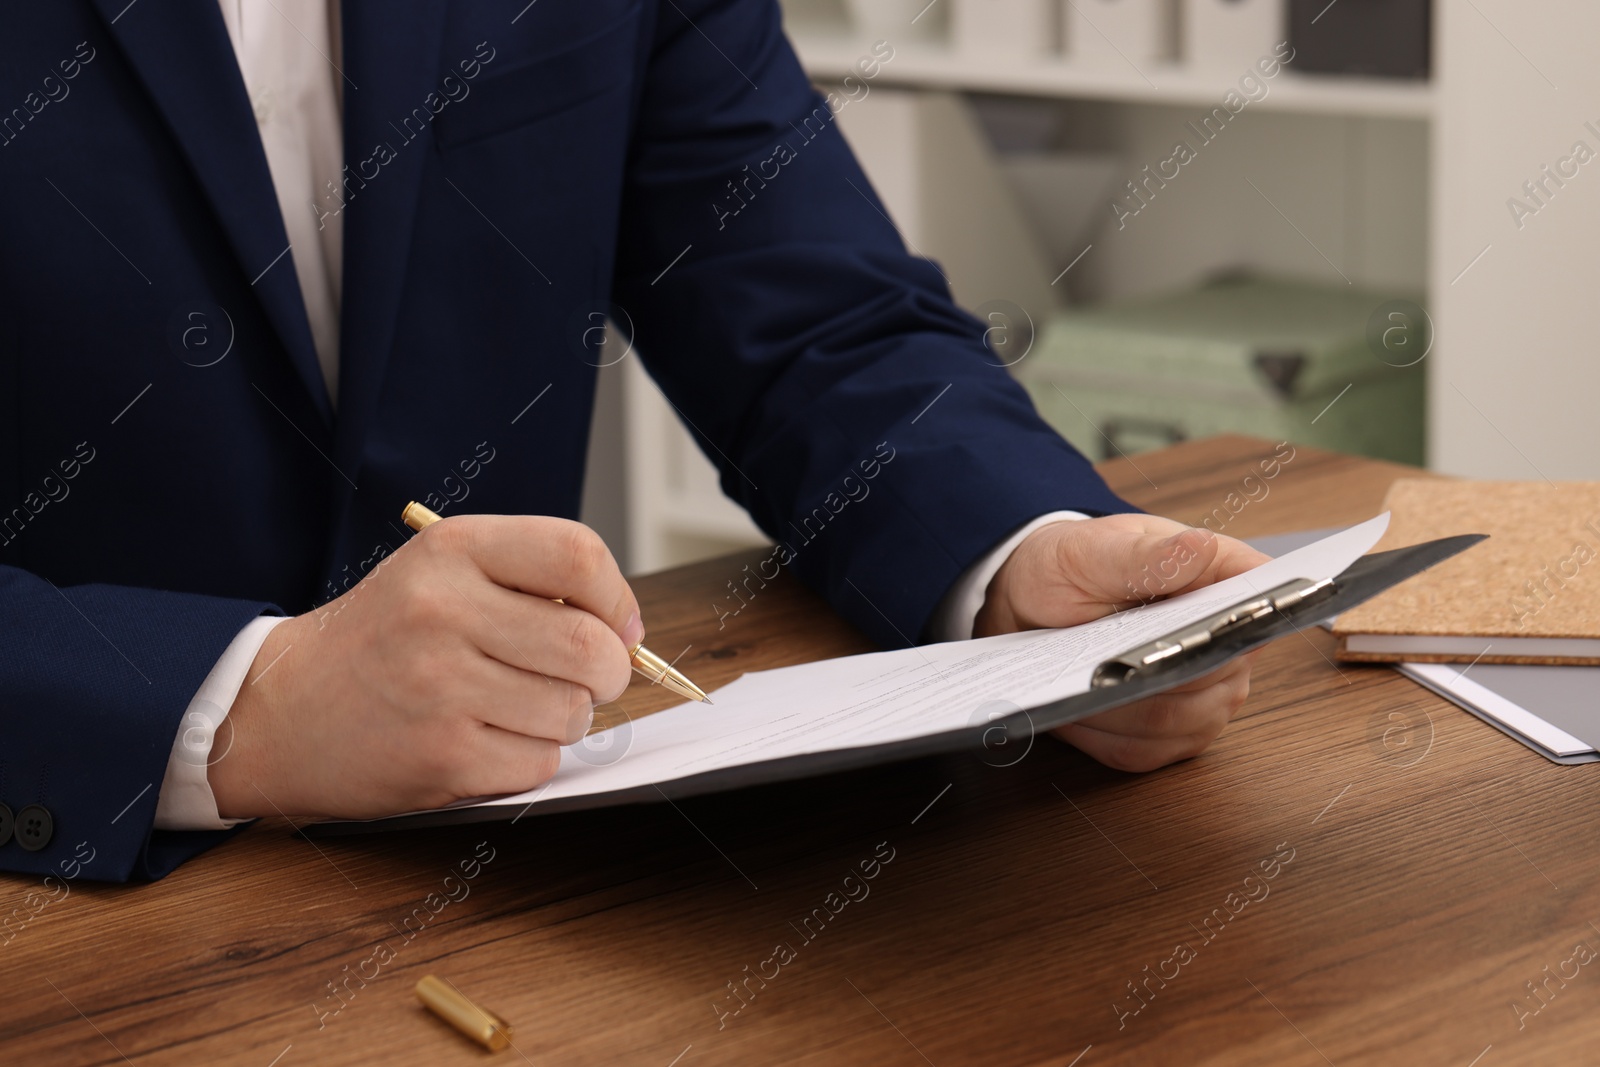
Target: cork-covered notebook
<point>1529,594</point>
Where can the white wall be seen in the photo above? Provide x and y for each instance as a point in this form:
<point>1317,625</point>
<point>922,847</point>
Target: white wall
<point>1515,374</point>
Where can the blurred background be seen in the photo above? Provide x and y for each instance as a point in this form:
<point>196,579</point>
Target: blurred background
<point>1365,225</point>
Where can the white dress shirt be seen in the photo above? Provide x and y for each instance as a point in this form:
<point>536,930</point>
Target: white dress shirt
<point>287,51</point>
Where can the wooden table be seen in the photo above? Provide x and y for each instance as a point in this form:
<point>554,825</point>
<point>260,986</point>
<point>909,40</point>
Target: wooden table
<point>1427,868</point>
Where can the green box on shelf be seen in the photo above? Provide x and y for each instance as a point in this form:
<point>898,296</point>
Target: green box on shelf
<point>1243,355</point>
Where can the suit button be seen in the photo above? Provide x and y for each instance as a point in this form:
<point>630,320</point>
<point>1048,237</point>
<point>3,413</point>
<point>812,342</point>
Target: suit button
<point>5,824</point>
<point>34,827</point>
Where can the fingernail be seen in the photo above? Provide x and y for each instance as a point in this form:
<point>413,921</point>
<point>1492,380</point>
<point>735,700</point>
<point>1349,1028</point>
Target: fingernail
<point>582,719</point>
<point>633,632</point>
<point>1204,536</point>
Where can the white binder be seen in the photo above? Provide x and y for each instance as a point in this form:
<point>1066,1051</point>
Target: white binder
<point>1225,35</point>
<point>1108,33</point>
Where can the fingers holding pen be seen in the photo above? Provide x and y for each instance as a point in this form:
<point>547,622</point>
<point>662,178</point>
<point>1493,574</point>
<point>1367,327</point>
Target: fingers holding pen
<point>515,570</point>
<point>550,558</point>
<point>548,640</point>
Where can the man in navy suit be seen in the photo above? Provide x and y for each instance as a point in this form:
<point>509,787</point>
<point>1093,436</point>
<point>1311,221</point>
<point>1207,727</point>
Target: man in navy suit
<point>270,269</point>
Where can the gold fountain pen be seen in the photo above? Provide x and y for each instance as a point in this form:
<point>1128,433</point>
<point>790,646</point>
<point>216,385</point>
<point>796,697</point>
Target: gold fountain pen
<point>644,661</point>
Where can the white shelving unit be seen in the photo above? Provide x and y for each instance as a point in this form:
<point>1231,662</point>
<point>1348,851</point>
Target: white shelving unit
<point>830,56</point>
<point>1382,183</point>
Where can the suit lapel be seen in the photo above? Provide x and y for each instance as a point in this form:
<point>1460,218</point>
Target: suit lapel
<point>392,51</point>
<point>181,52</point>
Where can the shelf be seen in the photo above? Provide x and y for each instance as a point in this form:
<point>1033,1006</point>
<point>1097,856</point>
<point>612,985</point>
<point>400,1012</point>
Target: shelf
<point>832,55</point>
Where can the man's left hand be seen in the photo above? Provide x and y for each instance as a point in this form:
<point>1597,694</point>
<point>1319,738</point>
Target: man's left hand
<point>1079,570</point>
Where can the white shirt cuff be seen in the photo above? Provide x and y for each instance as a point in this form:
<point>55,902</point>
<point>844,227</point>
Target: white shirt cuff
<point>953,618</point>
<point>186,801</point>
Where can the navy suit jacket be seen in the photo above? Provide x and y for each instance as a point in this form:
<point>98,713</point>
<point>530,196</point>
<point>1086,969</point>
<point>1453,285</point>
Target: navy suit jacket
<point>171,465</point>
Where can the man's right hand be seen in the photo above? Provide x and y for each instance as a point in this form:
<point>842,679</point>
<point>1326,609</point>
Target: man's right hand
<point>447,672</point>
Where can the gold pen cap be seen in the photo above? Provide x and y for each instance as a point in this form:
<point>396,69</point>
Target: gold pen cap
<point>418,516</point>
<point>448,1002</point>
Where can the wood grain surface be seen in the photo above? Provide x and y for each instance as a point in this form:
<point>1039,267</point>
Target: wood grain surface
<point>1355,873</point>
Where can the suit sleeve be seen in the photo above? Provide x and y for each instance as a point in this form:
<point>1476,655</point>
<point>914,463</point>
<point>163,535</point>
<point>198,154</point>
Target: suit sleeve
<point>849,405</point>
<point>94,683</point>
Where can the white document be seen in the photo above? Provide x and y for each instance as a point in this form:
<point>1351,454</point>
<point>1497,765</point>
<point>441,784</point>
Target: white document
<point>880,697</point>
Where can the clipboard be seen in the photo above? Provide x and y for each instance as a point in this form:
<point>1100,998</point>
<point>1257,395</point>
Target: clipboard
<point>1189,652</point>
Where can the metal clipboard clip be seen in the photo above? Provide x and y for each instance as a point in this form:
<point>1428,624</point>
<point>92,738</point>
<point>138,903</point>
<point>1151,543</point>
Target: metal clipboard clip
<point>1174,648</point>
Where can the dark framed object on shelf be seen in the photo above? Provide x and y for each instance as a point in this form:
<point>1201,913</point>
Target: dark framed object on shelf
<point>1380,38</point>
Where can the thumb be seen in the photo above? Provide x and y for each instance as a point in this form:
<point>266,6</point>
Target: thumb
<point>1141,567</point>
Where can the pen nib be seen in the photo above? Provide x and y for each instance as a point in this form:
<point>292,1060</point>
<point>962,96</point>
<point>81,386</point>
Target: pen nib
<point>707,700</point>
